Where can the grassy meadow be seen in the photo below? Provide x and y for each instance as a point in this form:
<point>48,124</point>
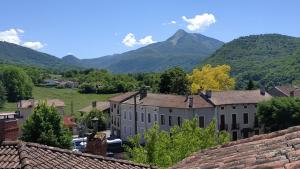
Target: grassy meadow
<point>67,95</point>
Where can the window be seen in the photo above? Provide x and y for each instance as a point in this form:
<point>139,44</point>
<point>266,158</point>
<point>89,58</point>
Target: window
<point>115,105</point>
<point>112,119</point>
<point>245,107</point>
<point>155,117</point>
<point>179,121</point>
<point>118,122</point>
<point>222,108</point>
<point>142,117</point>
<point>129,115</point>
<point>170,120</point>
<point>162,119</point>
<point>233,107</point>
<point>170,110</point>
<point>149,118</point>
<point>201,122</point>
<point>245,118</point>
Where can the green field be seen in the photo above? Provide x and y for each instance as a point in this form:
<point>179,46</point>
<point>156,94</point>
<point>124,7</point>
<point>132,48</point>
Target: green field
<point>67,95</point>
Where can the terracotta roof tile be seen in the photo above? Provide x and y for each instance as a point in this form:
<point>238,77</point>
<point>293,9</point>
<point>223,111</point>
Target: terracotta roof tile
<point>274,150</point>
<point>238,97</point>
<point>168,100</point>
<point>287,89</point>
<point>25,155</point>
<point>123,97</point>
<point>50,102</point>
<point>99,106</point>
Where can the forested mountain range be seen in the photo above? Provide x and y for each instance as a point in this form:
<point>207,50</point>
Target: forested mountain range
<point>183,49</point>
<point>272,59</point>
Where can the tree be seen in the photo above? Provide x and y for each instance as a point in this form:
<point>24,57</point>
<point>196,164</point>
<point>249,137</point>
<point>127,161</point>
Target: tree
<point>279,113</point>
<point>174,81</point>
<point>45,126</point>
<point>164,149</point>
<point>17,83</point>
<point>102,117</point>
<point>211,78</point>
<point>250,85</point>
<point>2,95</point>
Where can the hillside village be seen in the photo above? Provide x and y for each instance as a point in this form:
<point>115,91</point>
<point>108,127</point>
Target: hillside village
<point>150,84</point>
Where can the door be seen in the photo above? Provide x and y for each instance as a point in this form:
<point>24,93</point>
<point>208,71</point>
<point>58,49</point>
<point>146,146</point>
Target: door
<point>222,125</point>
<point>234,136</point>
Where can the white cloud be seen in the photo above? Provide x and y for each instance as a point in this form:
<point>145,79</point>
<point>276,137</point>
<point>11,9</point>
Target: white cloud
<point>13,36</point>
<point>130,40</point>
<point>10,36</point>
<point>199,22</point>
<point>170,23</point>
<point>146,40</point>
<point>33,45</point>
<point>173,22</point>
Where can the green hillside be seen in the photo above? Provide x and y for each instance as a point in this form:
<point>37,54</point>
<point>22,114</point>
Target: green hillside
<point>19,55</point>
<point>271,58</point>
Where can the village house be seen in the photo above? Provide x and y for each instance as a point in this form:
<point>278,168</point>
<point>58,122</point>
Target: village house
<point>235,111</point>
<point>102,106</point>
<point>135,112</point>
<point>25,108</point>
<point>285,91</point>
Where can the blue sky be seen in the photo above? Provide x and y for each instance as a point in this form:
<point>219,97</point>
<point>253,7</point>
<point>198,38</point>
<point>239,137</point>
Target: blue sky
<point>94,28</point>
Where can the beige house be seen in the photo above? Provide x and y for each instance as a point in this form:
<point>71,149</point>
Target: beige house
<point>133,113</point>
<point>235,111</point>
<point>26,107</point>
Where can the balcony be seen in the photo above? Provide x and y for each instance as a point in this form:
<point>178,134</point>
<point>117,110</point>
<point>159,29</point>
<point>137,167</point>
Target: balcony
<point>235,126</point>
<point>223,127</point>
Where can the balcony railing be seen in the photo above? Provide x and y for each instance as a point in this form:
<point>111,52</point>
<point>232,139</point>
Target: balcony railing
<point>235,126</point>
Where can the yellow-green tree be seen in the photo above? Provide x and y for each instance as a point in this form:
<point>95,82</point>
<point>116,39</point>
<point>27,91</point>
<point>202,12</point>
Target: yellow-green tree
<point>211,78</point>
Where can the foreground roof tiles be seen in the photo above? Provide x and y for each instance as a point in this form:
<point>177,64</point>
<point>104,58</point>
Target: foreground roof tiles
<point>275,150</point>
<point>35,156</point>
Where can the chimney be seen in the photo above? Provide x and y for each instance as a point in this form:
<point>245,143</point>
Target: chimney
<point>208,93</point>
<point>292,93</point>
<point>94,104</point>
<point>191,101</point>
<point>143,92</point>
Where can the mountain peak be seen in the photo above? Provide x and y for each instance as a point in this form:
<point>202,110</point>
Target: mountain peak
<point>178,35</point>
<point>68,57</point>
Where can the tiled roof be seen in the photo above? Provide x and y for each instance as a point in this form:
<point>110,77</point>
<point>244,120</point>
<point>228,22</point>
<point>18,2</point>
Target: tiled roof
<point>238,97</point>
<point>122,97</point>
<point>279,149</point>
<point>99,106</point>
<point>168,100</point>
<point>50,102</point>
<point>35,156</point>
<point>287,89</point>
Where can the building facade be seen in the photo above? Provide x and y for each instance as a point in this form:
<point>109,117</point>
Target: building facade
<point>234,111</point>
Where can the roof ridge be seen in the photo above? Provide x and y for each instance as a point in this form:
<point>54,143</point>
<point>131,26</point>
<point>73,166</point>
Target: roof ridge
<point>99,157</point>
<point>24,159</point>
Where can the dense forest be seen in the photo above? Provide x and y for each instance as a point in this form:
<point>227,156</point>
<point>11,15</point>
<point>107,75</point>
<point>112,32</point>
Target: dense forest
<point>272,59</point>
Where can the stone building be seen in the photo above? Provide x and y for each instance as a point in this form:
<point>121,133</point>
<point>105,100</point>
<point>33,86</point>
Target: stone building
<point>135,112</point>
